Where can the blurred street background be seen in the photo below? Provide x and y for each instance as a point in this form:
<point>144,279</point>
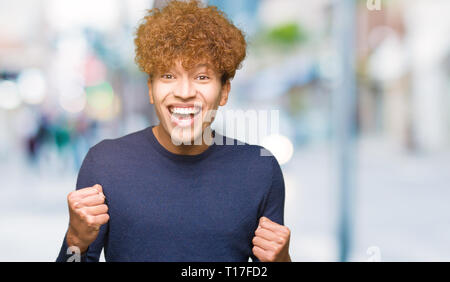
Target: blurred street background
<point>362,89</point>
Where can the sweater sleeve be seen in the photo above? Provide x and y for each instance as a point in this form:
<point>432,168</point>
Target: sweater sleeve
<point>273,206</point>
<point>86,178</point>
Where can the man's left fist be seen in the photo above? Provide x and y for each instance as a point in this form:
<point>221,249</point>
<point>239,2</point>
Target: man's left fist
<point>271,241</point>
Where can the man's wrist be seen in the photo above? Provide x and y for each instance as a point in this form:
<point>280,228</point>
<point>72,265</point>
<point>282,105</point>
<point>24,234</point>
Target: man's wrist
<point>73,240</point>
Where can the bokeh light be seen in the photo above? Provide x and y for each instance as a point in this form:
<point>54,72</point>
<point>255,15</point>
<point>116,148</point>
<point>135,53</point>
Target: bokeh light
<point>32,86</point>
<point>9,95</point>
<point>73,103</point>
<point>280,146</point>
<point>102,103</point>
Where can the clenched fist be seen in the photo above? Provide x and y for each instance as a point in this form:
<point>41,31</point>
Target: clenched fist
<point>87,212</point>
<point>271,241</point>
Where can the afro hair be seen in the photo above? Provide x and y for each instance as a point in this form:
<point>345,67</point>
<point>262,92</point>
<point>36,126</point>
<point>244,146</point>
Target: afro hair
<point>192,33</point>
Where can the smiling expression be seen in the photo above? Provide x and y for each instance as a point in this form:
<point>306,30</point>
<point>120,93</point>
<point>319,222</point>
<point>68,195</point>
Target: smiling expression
<point>186,100</point>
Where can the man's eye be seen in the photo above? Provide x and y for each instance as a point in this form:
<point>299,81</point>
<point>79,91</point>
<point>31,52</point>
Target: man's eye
<point>202,77</point>
<point>167,76</point>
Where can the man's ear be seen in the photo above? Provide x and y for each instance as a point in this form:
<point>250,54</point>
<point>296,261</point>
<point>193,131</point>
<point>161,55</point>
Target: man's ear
<point>224,93</point>
<point>150,93</point>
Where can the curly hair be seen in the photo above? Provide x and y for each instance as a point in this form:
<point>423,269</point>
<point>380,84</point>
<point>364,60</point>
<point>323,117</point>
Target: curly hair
<point>188,32</point>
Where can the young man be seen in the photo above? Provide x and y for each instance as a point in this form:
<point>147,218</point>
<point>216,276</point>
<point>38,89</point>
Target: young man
<point>167,193</point>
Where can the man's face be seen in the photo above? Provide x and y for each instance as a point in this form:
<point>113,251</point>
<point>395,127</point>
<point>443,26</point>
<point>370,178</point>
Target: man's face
<point>185,99</point>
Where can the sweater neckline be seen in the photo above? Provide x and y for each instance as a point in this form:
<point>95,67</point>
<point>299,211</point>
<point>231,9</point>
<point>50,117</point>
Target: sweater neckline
<point>178,157</point>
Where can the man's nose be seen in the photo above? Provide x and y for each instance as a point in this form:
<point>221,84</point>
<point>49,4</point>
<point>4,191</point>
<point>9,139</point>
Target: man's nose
<point>184,89</point>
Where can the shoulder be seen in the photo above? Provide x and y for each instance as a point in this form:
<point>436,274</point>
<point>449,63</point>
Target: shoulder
<point>126,144</point>
<point>111,156</point>
<point>253,155</point>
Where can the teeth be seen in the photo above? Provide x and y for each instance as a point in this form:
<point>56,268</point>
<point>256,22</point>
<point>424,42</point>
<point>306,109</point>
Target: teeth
<point>184,111</point>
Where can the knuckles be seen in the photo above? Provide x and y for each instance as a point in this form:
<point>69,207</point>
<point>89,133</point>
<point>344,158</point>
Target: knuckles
<point>90,221</point>
<point>104,208</point>
<point>287,231</point>
<point>70,196</point>
<point>83,215</point>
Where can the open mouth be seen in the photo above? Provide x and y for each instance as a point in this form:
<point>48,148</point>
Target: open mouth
<point>183,116</point>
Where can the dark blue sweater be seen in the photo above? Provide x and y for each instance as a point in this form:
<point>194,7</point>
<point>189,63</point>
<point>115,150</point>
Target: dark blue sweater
<point>169,207</point>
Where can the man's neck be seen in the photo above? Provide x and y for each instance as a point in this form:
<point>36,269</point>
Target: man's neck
<point>166,141</point>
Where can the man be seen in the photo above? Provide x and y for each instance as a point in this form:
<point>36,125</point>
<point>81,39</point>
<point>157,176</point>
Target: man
<point>176,191</point>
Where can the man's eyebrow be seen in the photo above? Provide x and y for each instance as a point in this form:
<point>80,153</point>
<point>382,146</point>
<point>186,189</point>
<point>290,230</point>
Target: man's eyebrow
<point>203,65</point>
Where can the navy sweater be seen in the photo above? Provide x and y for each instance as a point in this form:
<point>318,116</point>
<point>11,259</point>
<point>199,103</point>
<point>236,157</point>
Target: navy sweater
<point>169,207</point>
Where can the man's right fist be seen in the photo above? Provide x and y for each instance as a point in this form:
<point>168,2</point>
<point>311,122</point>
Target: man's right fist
<point>87,212</point>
